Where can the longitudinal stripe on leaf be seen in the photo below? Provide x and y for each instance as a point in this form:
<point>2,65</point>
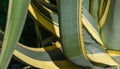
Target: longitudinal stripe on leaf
<point>101,8</point>
<point>104,17</point>
<point>113,52</point>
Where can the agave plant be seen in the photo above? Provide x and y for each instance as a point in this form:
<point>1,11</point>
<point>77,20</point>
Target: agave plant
<point>85,34</point>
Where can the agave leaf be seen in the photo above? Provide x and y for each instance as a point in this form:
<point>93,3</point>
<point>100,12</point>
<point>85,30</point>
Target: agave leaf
<point>16,17</point>
<point>110,32</point>
<point>70,31</point>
